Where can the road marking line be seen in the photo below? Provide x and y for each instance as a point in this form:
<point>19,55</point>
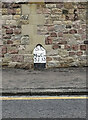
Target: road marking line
<point>40,98</point>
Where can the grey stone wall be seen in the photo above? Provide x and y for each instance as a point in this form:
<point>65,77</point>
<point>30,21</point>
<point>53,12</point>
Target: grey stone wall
<point>59,27</point>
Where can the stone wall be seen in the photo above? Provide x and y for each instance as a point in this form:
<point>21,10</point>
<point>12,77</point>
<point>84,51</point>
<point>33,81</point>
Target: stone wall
<point>59,27</point>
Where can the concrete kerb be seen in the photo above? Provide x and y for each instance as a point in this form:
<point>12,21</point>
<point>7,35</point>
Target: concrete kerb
<point>49,92</point>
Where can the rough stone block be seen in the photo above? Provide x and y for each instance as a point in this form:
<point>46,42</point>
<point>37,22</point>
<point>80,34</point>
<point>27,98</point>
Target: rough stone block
<point>60,34</point>
<point>59,5</point>
<point>68,5</point>
<point>48,40</point>
<point>6,17</point>
<point>71,53</point>
<point>17,42</point>
<point>9,42</point>
<point>46,11</point>
<point>17,31</point>
<point>6,36</point>
<point>73,31</point>
<point>56,11</point>
<point>59,27</point>
<point>83,47</point>
<point>26,9</point>
<point>11,22</point>
<point>68,26</point>
<point>64,11</point>
<point>51,5</point>
<point>63,53</point>
<point>13,50</point>
<point>75,47</point>
<point>11,11</point>
<point>9,31</point>
<point>86,42</point>
<point>17,58</point>
<point>48,58</point>
<point>82,5</point>
<point>67,47</point>
<point>55,46</point>
<point>13,5</point>
<point>12,64</point>
<point>53,34</point>
<point>80,31</point>
<point>4,49</point>
<point>42,30</point>
<point>28,59</point>
<point>50,28</point>
<point>25,40</point>
<point>79,53</point>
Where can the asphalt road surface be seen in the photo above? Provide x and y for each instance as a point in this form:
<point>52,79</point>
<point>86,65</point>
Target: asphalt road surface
<point>44,107</point>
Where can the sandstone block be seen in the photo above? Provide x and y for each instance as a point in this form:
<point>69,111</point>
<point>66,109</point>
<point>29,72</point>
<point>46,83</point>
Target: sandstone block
<point>16,17</point>
<point>4,11</point>
<point>18,11</point>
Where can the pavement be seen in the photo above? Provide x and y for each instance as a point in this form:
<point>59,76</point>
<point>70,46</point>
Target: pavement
<point>55,81</point>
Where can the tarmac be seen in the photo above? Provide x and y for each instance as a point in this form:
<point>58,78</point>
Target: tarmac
<point>55,81</point>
